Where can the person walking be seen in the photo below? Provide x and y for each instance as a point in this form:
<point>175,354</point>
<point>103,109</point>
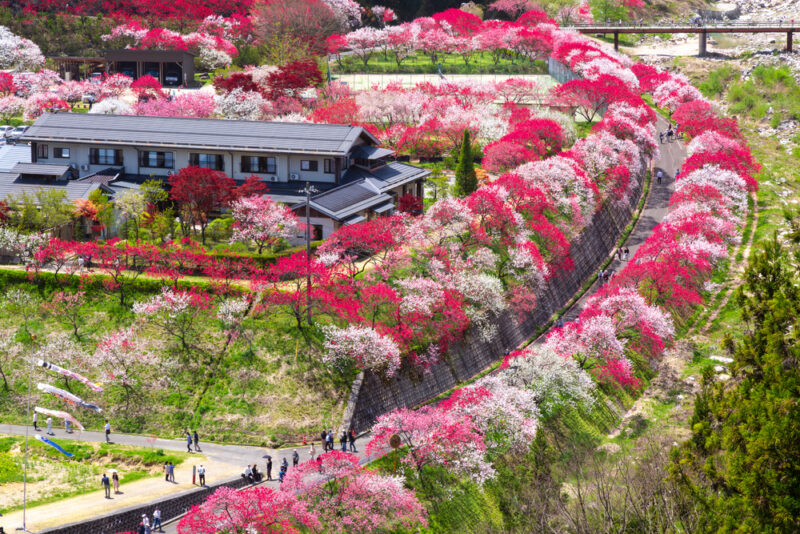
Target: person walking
<point>171,472</point>
<point>343,441</point>
<point>312,452</point>
<point>108,432</point>
<point>50,426</point>
<point>106,485</point>
<point>157,519</point>
<point>329,440</point>
<point>324,436</point>
<point>269,467</point>
<point>202,472</point>
<point>659,175</point>
<point>140,528</point>
<point>627,253</point>
<point>35,421</point>
<point>188,442</point>
<point>196,442</point>
<point>115,481</point>
<point>661,137</point>
<point>353,441</point>
<point>67,426</point>
<point>166,471</point>
<point>146,523</point>
<point>295,458</point>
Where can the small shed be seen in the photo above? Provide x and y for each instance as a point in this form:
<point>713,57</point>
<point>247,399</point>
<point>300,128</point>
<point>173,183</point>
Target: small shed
<point>172,68</point>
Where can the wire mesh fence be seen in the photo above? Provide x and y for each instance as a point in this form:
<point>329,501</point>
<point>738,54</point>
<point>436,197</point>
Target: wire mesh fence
<point>473,354</point>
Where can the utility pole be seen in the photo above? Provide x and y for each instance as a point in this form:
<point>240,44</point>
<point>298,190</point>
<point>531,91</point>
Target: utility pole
<point>308,190</point>
<point>24,527</point>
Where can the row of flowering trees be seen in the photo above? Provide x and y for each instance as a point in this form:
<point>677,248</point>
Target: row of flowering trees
<point>456,32</point>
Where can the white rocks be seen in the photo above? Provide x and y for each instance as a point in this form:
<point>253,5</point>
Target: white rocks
<point>722,359</point>
<point>719,368</point>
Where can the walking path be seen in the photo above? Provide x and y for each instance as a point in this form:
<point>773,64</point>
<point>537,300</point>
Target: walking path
<point>221,462</point>
<point>656,207</point>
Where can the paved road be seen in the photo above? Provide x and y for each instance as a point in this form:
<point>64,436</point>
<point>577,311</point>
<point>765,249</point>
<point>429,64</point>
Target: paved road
<point>672,156</point>
<point>231,455</point>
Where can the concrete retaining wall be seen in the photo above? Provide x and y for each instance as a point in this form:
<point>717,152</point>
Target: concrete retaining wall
<point>128,519</point>
<point>374,396</point>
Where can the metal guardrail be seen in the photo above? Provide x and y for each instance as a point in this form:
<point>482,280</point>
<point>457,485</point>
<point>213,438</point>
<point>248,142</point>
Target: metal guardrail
<point>783,25</point>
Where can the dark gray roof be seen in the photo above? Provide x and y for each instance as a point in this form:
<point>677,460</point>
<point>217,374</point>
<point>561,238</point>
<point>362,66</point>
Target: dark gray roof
<point>202,134</point>
<point>343,201</point>
<point>388,176</point>
<point>10,155</point>
<point>43,169</point>
<point>341,198</point>
<point>102,177</point>
<point>371,152</point>
<point>11,184</point>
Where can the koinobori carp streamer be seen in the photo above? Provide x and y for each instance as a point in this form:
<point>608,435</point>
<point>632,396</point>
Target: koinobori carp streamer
<point>59,414</point>
<point>66,396</point>
<point>71,374</point>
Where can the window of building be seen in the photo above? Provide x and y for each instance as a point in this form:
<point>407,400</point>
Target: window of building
<point>42,152</point>
<point>207,161</point>
<point>62,153</point>
<point>159,160</point>
<point>105,156</point>
<point>259,164</point>
<point>309,165</point>
<point>328,166</point>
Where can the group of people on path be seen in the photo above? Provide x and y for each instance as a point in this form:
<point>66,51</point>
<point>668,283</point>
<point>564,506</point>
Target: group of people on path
<point>670,135</point>
<point>144,524</point>
<point>192,437</point>
<point>107,483</point>
<point>49,423</point>
<point>344,439</point>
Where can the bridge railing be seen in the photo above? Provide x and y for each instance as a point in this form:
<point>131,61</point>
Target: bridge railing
<point>788,24</point>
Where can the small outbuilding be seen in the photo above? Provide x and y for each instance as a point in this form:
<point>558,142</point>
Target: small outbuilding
<point>172,68</point>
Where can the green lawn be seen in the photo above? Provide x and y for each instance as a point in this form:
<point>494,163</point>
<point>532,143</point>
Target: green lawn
<point>418,63</point>
<point>52,476</point>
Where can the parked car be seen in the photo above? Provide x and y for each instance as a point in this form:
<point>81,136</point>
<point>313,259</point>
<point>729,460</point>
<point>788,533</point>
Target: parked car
<point>5,131</point>
<point>129,73</point>
<point>153,73</point>
<point>17,132</point>
<point>89,98</point>
<point>172,78</point>
<point>96,77</point>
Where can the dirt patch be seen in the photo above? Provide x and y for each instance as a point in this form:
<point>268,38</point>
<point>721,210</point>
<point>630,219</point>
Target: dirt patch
<point>668,386</point>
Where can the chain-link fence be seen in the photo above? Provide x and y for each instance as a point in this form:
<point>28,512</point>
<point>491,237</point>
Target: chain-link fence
<point>472,355</point>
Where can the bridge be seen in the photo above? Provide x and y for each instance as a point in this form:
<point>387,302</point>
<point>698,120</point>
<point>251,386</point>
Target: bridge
<point>702,29</point>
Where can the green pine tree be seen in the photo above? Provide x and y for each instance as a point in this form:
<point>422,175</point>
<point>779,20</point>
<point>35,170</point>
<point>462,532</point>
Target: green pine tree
<point>466,180</point>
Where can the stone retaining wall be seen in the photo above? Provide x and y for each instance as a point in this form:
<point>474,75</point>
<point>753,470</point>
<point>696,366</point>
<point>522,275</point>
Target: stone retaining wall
<point>374,396</point>
<point>128,518</point>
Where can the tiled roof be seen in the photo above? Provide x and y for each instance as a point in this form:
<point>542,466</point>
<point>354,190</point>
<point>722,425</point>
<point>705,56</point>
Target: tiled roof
<point>386,177</point>
<point>44,169</point>
<point>12,185</point>
<point>200,134</point>
<point>10,155</point>
<point>371,152</point>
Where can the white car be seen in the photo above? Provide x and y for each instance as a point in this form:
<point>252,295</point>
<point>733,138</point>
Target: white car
<point>5,131</point>
<point>17,132</point>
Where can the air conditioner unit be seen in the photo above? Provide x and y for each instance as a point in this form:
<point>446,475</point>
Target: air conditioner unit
<point>84,167</point>
<point>294,176</point>
<point>273,178</point>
